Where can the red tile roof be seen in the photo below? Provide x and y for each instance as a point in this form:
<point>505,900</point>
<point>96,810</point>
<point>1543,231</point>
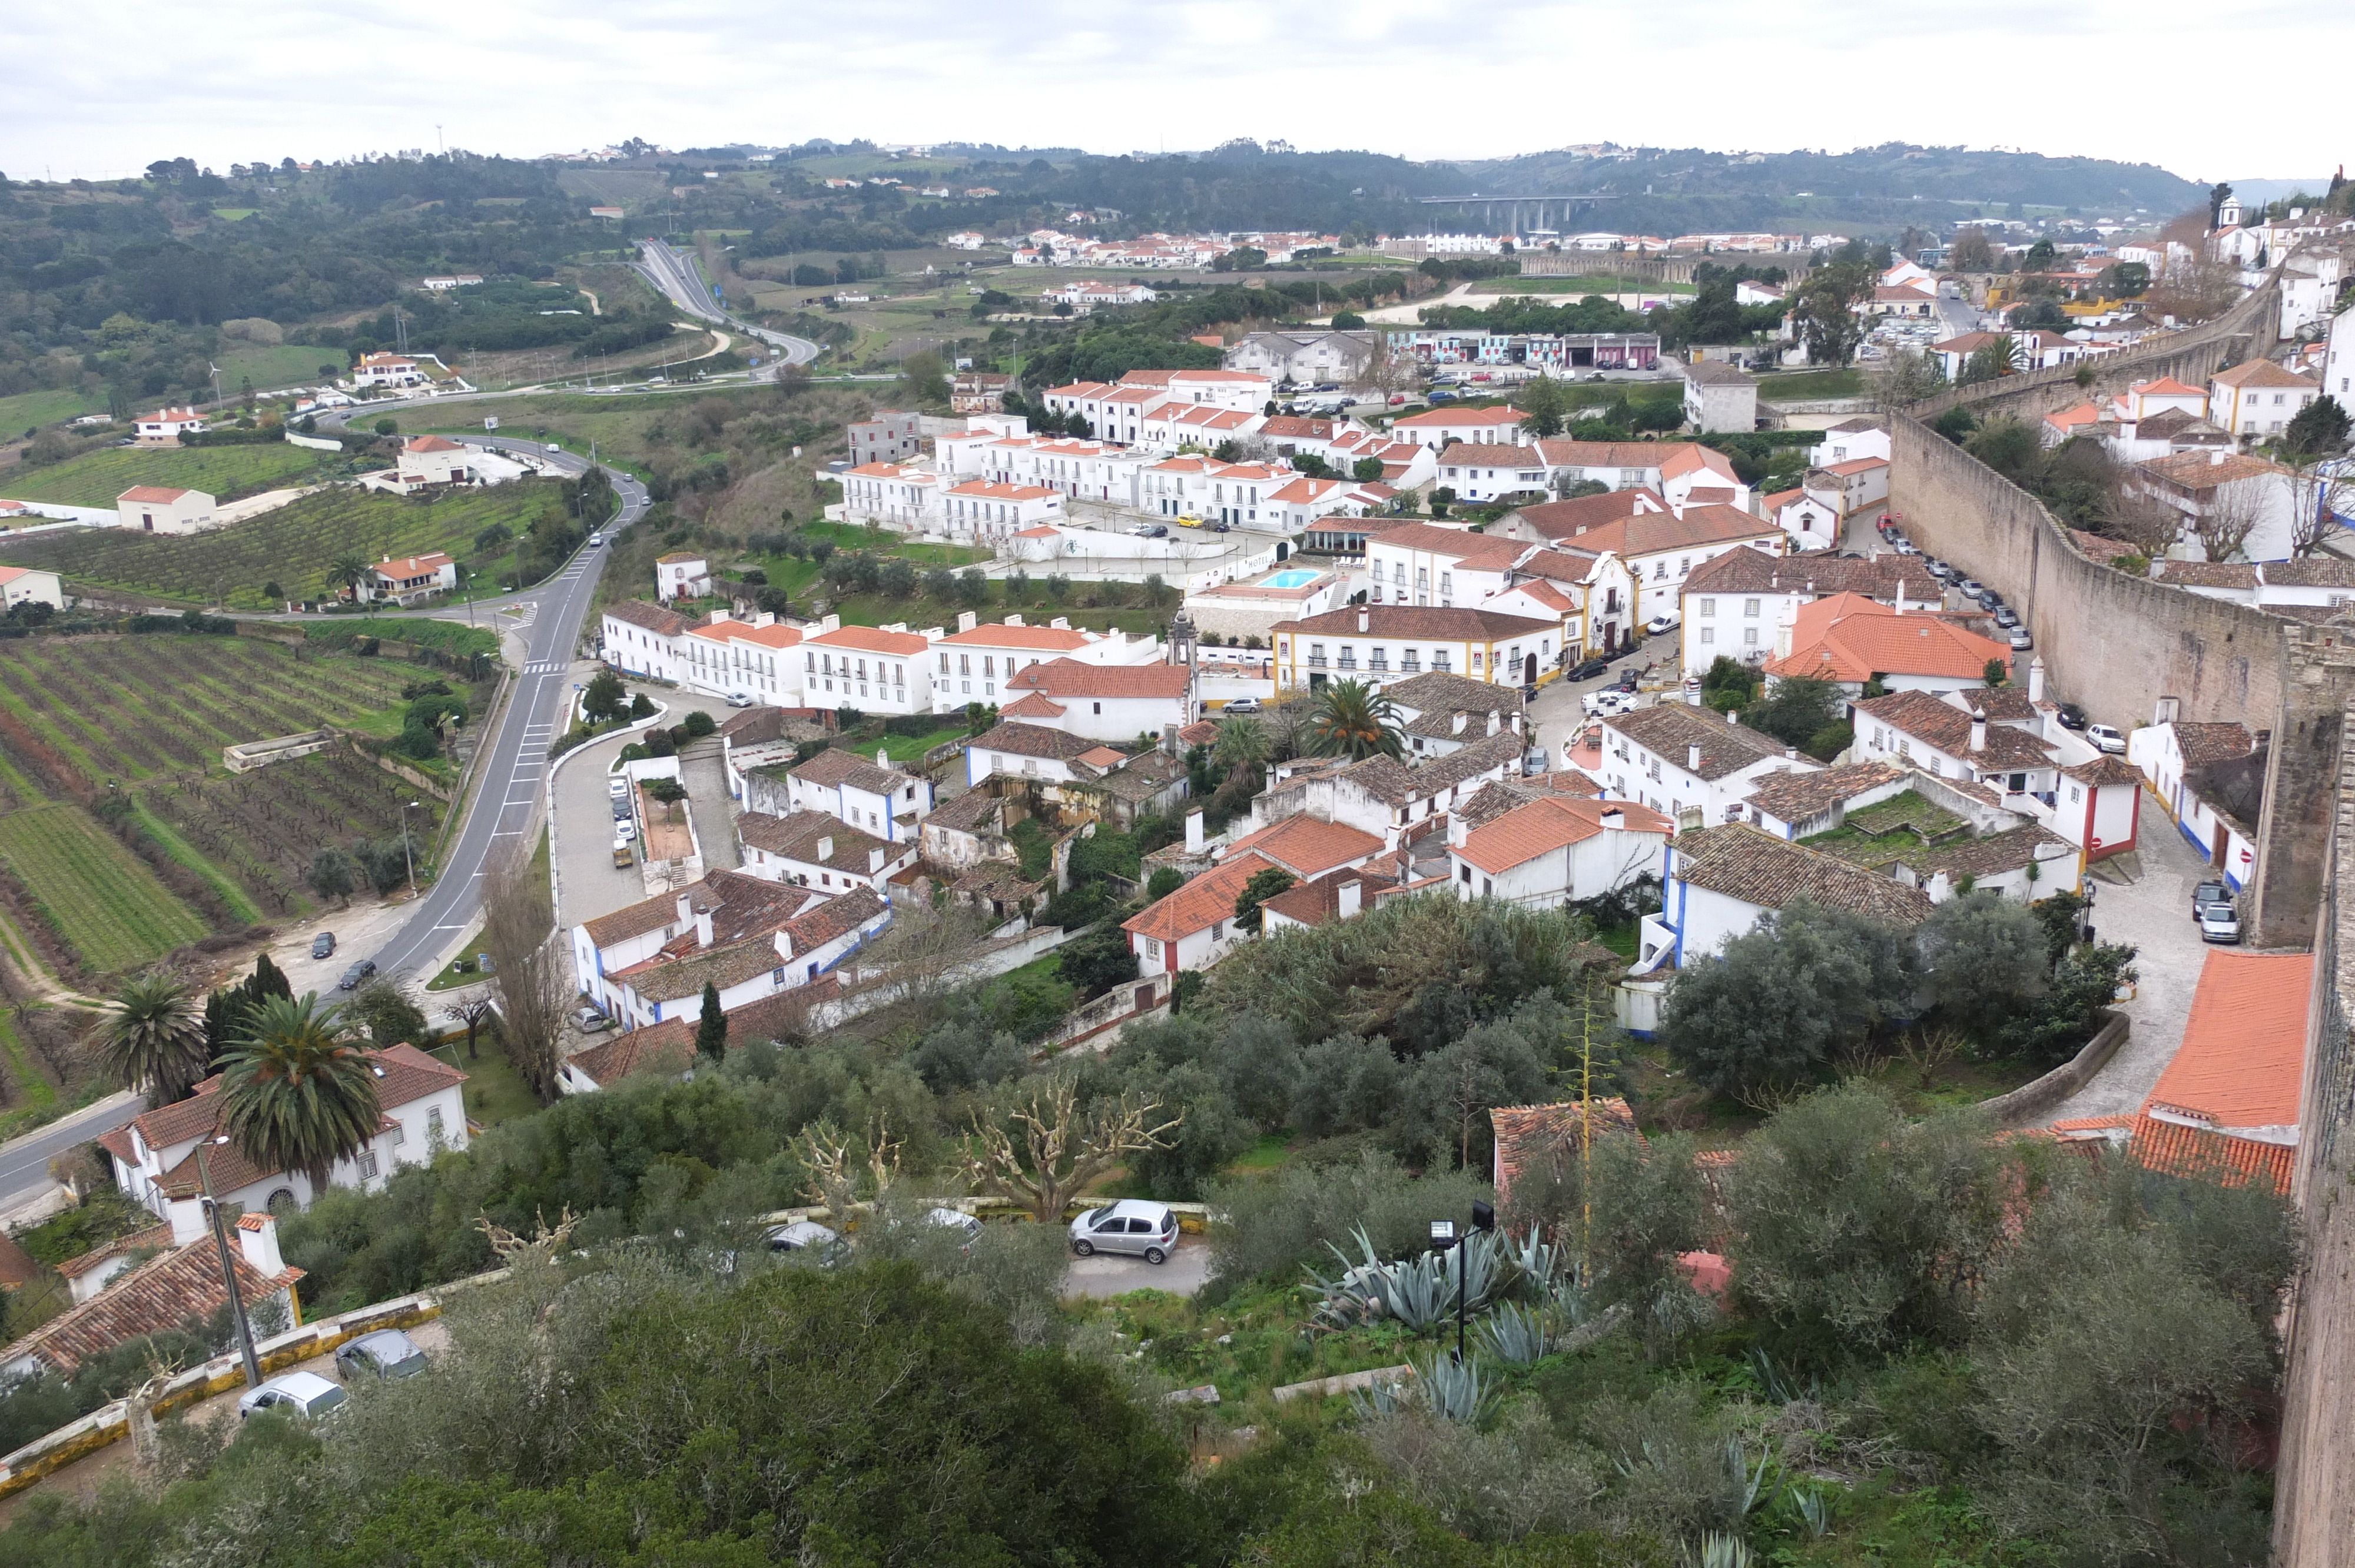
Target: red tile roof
<point>1201,903</point>
<point>647,617</point>
<point>1038,637</point>
<point>1308,847</point>
<point>1847,637</point>
<point>1071,678</point>
<point>160,1294</point>
<point>872,640</point>
<point>2244,1051</point>
<point>1528,1134</point>
<point>1555,822</point>
<point>153,495</point>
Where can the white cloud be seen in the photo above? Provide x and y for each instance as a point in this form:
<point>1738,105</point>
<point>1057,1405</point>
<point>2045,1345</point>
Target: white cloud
<point>112,87</point>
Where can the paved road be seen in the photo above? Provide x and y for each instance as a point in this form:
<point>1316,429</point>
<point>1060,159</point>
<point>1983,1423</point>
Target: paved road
<point>24,1161</point>
<point>673,272</point>
<point>511,767</point>
<point>1101,1277</point>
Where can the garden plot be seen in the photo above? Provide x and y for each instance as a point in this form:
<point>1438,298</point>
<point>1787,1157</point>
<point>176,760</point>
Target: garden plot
<point>92,890</point>
<point>293,546</point>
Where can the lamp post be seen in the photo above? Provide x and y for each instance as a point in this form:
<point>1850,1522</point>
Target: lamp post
<point>1443,1238</point>
<point>229,1270</point>
<point>407,853</point>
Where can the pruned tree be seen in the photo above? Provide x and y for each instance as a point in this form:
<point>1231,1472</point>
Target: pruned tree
<point>531,973</point>
<point>2222,525</point>
<point>474,1012</point>
<point>2137,517</point>
<point>2319,496</point>
<point>541,1247</point>
<point>1064,1146</point>
<point>829,1157</point>
<point>1907,376</point>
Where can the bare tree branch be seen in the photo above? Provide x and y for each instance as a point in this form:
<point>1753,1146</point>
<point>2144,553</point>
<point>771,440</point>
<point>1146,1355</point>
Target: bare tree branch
<point>1064,1147</point>
<point>531,972</point>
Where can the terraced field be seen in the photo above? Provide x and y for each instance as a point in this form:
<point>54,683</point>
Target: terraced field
<point>85,720</point>
<point>95,893</point>
<point>293,546</point>
<point>95,479</point>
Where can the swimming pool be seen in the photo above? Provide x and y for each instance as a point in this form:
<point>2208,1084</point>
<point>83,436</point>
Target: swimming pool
<point>1292,577</point>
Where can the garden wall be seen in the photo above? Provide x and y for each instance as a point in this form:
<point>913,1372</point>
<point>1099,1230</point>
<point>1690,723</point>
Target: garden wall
<point>2033,1101</point>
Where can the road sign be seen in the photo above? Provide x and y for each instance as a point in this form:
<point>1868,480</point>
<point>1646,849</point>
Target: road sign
<point>492,423</point>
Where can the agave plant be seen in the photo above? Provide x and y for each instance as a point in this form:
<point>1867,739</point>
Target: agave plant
<point>1515,1334</point>
<point>1417,1292</point>
<point>1453,1389</point>
<point>1536,1262</point>
<point>1719,1549</point>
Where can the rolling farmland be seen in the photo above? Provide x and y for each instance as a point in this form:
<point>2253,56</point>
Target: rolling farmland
<point>84,721</point>
<point>95,893</point>
<point>293,546</point>
<point>95,479</point>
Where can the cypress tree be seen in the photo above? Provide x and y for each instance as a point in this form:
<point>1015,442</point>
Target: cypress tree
<point>711,1031</point>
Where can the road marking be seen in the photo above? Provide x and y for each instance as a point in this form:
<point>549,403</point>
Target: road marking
<point>457,928</point>
<point>505,834</point>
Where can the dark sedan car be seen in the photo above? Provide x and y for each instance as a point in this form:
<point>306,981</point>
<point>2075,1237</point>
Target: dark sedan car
<point>1587,671</point>
<point>357,973</point>
<point>2072,716</point>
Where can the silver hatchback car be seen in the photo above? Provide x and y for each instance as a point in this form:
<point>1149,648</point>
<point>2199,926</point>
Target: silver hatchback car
<point>1133,1227</point>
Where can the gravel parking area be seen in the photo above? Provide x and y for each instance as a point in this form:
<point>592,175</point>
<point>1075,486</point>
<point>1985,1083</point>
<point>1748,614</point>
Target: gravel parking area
<point>1100,1276</point>
<point>581,832</point>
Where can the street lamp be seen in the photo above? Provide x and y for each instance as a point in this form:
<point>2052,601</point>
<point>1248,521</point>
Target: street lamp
<point>1443,1237</point>
<point>229,1271</point>
<point>407,853</point>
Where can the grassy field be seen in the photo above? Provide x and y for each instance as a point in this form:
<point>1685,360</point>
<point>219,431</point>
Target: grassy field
<point>1801,386</point>
<point>149,714</point>
<point>270,367</point>
<point>293,546</point>
<point>95,479</point>
<point>26,410</point>
<point>95,892</point>
<point>1598,284</point>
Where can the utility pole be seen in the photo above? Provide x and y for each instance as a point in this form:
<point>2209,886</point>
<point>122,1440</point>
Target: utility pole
<point>229,1269</point>
<point>407,853</point>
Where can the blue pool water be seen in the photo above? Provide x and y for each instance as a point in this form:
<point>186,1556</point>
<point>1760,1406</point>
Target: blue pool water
<point>1292,577</point>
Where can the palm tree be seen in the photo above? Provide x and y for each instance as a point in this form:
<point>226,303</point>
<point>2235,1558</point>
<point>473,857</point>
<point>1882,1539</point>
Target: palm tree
<point>1241,743</point>
<point>1353,720</point>
<point>348,571</point>
<point>154,1037</point>
<point>300,1095</point>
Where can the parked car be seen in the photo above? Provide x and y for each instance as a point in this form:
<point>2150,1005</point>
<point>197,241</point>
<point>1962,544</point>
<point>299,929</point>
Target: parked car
<point>1937,569</point>
<point>625,829</point>
<point>1971,588</point>
<point>954,1220</point>
<point>1661,623</point>
<point>2106,739</point>
<point>322,946</point>
<point>357,973</point>
<point>1217,527</point>
<point>2071,717</point>
<point>1587,671</point>
<point>2006,617</point>
<point>740,699</point>
<point>2022,642</point>
<point>1609,703</point>
<point>2209,893</point>
<point>384,1354</point>
<point>1625,683</point>
<point>555,447</point>
<point>623,858</point>
<point>809,1236</point>
<point>618,788</point>
<point>1242,705</point>
<point>1133,1227</point>
<point>1906,546</point>
<point>306,1396</point>
<point>2220,924</point>
<point>588,1021</point>
<point>1989,599</point>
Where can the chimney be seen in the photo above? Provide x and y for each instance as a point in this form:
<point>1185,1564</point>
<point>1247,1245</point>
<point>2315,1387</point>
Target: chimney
<point>1013,620</point>
<point>703,928</point>
<point>1060,623</point>
<point>1613,819</point>
<point>257,1236</point>
<point>1495,720</point>
<point>1351,895</point>
<point>1692,757</point>
<point>1365,619</point>
<point>831,624</point>
<point>2036,679</point>
<point>826,847</point>
<point>1732,717</point>
<point>1461,720</point>
<point>882,757</point>
<point>1169,738</point>
<point>2216,460</point>
<point>1901,596</point>
<point>1193,832</point>
<point>967,620</point>
<point>1978,730</point>
<point>187,1217</point>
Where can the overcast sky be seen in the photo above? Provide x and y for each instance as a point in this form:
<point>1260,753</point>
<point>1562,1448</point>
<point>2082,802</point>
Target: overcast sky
<point>101,90</point>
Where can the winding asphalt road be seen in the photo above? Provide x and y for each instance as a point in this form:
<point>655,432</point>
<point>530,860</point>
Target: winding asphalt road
<point>673,272</point>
